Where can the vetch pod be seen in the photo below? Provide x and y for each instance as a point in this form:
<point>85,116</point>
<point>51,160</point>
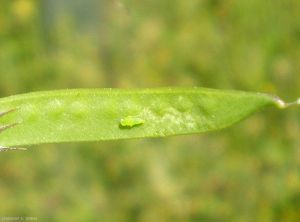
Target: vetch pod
<point>78,115</point>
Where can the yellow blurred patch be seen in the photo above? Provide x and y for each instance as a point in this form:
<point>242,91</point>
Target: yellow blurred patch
<point>23,9</point>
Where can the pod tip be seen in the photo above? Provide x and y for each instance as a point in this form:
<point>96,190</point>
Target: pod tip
<point>280,103</point>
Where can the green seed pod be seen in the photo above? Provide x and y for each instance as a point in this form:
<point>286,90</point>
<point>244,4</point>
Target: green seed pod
<point>109,114</point>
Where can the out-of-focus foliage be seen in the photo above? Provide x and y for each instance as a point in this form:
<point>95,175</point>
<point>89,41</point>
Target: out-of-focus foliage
<point>250,172</point>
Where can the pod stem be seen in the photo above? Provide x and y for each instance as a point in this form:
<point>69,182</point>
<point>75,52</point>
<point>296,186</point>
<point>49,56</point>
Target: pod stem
<point>282,104</point>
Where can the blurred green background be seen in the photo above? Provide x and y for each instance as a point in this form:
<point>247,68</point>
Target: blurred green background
<point>249,172</point>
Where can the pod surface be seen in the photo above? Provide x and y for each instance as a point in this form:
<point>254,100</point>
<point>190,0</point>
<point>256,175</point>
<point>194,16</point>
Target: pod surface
<point>95,114</point>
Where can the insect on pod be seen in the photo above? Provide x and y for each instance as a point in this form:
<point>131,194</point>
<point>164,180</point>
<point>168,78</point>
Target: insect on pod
<point>131,121</point>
